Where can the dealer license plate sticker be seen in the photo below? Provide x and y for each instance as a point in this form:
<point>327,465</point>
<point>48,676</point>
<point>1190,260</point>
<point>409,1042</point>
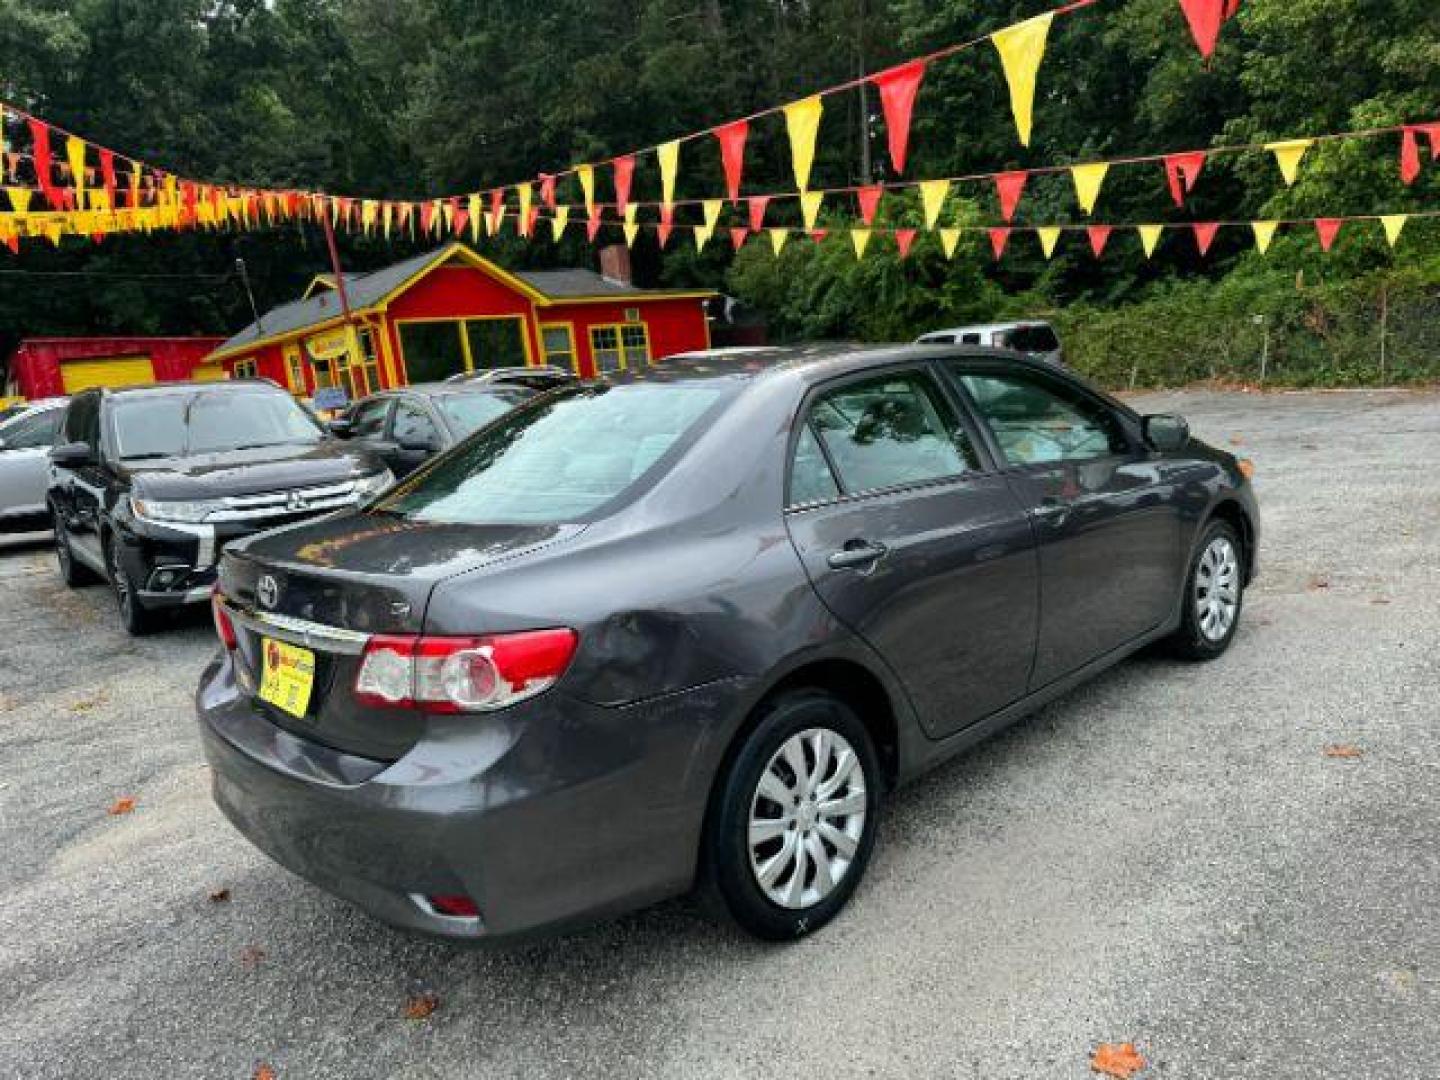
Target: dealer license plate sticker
<point>287,675</point>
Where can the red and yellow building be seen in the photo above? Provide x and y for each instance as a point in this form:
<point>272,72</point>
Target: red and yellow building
<point>452,310</point>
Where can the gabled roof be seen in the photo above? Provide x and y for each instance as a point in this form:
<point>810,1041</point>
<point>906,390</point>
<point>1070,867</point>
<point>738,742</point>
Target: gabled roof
<point>321,303</point>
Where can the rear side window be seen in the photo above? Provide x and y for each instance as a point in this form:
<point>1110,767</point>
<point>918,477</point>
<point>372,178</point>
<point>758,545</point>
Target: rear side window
<point>890,431</point>
<point>970,339</point>
<point>32,431</point>
<point>369,418</point>
<point>1032,339</point>
<point>811,478</point>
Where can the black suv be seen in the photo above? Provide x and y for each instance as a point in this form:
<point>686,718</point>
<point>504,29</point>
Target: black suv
<point>148,484</point>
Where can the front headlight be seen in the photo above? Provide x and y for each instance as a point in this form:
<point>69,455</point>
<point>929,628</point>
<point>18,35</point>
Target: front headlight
<point>367,487</point>
<point>189,513</point>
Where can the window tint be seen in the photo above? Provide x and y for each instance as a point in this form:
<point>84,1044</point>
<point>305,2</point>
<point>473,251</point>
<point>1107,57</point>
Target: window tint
<point>413,425</point>
<point>811,479</point>
<point>1032,339</point>
<point>31,431</point>
<point>368,419</point>
<point>558,460</point>
<point>892,430</point>
<point>467,413</point>
<point>970,339</point>
<point>1036,421</point>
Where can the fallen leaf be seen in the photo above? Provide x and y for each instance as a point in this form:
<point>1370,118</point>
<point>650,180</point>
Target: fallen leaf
<point>121,805</point>
<point>1318,581</point>
<point>1236,440</point>
<point>219,896</point>
<point>251,955</point>
<point>264,1072</point>
<point>1379,600</point>
<point>418,1008</point>
<point>1342,750</point>
<point>1308,446</point>
<point>86,704</point>
<point>1120,1060</point>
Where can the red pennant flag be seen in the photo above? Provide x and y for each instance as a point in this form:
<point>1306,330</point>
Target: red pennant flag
<point>624,174</point>
<point>1409,156</point>
<point>190,197</point>
<point>427,216</point>
<point>869,198</point>
<point>904,238</point>
<point>1009,185</point>
<point>737,237</point>
<point>1433,131</point>
<point>67,198</point>
<point>462,218</point>
<point>592,226</point>
<point>547,190</point>
<point>12,163</point>
<point>819,235</point>
<point>107,171</point>
<point>1204,234</point>
<point>732,154</point>
<point>40,155</point>
<point>898,88</point>
<point>1182,170</point>
<point>1328,229</point>
<point>998,239</point>
<point>1232,8</point>
<point>667,224</point>
<point>531,219</point>
<point>1205,18</point>
<point>1099,237</point>
<point>497,210</point>
<point>13,243</point>
<point>758,205</point>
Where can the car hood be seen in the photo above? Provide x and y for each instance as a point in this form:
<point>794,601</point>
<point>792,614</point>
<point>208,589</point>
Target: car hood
<point>372,571</point>
<point>248,472</point>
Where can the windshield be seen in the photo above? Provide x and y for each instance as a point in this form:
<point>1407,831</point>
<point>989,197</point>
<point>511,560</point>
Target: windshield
<point>558,460</point>
<point>179,425</point>
<point>468,413</point>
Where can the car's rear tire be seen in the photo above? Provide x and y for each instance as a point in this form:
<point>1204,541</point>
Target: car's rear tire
<point>134,616</point>
<point>72,573</point>
<point>1214,595</point>
<point>794,817</point>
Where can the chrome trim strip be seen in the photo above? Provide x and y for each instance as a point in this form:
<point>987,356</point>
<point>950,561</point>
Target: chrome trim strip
<point>279,510</point>
<point>310,635</point>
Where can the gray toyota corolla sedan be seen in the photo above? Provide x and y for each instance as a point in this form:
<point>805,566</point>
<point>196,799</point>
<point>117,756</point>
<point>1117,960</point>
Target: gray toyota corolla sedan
<point>685,629</point>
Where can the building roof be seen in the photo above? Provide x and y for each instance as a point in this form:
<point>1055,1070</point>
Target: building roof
<point>375,288</point>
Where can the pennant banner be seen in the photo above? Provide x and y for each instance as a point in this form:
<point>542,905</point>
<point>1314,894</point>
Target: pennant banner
<point>1021,47</point>
<point>802,123</point>
<point>898,88</point>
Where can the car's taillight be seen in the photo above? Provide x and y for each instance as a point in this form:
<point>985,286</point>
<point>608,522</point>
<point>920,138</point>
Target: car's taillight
<point>470,674</point>
<point>223,626</point>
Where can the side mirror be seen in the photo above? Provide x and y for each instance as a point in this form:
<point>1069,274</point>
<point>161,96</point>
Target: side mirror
<point>1167,432</point>
<point>75,455</point>
<point>341,428</point>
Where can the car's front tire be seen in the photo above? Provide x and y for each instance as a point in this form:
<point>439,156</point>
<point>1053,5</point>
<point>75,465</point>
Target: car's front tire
<point>1214,595</point>
<point>134,616</point>
<point>794,818</point>
<point>71,572</point>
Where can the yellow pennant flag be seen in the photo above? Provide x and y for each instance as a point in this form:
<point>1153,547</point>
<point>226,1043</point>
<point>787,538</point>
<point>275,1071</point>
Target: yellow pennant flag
<point>1088,179</point>
<point>810,208</point>
<point>631,209</point>
<point>369,215</point>
<point>1393,224</point>
<point>20,198</point>
<point>1288,155</point>
<point>861,239</point>
<point>1149,237</point>
<point>711,209</point>
<point>702,236</point>
<point>1264,233</point>
<point>802,122</point>
<point>526,196</point>
<point>75,152</point>
<point>134,186</point>
<point>777,239</point>
<point>1021,47</point>
<point>586,173</point>
<point>949,241</point>
<point>1049,237</point>
<point>475,207</point>
<point>932,198</point>
<point>669,157</point>
<point>632,230</point>
<point>447,208</point>
<point>387,218</point>
<point>559,221</point>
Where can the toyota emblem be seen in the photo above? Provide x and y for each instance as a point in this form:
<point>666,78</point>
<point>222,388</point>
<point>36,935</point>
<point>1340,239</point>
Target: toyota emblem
<point>267,591</point>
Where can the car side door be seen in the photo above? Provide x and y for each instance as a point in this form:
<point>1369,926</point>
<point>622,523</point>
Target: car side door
<point>1106,516</point>
<point>914,541</point>
<point>415,435</point>
<point>84,484</point>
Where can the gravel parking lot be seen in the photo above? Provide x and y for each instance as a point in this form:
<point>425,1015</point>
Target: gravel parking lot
<point>1167,856</point>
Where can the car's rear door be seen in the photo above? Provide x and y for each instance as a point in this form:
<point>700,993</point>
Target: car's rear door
<point>914,541</point>
<point>1106,521</point>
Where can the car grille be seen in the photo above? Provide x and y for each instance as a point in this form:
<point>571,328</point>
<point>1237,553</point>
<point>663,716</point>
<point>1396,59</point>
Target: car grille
<point>278,504</point>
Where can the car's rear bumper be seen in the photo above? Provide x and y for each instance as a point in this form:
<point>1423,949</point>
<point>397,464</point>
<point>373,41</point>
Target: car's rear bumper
<point>552,813</point>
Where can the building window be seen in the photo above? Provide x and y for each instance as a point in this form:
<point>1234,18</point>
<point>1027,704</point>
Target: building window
<point>615,348</point>
<point>559,345</point>
<point>435,350</point>
<point>246,368</point>
<point>295,370</point>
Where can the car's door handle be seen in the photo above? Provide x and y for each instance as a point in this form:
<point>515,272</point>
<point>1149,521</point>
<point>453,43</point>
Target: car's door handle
<point>857,555</point>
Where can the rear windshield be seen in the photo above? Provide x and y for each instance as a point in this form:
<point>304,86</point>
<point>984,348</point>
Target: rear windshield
<point>179,425</point>
<point>558,460</point>
<point>1032,339</point>
<point>468,413</point>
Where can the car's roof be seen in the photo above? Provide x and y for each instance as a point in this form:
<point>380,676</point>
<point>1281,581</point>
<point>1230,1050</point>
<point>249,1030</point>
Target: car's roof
<point>445,389</point>
<point>809,362</point>
<point>988,328</point>
<point>220,386</point>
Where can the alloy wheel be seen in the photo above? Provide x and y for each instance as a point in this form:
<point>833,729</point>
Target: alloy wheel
<point>807,818</point>
<point>1217,589</point>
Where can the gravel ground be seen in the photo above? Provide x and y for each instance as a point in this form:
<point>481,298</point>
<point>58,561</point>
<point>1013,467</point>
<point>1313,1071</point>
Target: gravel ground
<point>1166,856</point>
